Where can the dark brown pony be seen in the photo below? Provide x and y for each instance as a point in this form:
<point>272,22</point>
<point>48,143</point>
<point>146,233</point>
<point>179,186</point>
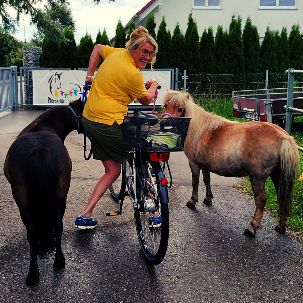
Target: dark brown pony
<point>38,168</point>
<point>255,149</point>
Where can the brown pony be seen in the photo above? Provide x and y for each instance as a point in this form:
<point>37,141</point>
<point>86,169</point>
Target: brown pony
<point>38,167</point>
<point>255,149</point>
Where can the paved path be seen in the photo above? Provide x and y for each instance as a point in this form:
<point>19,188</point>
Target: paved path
<point>208,258</point>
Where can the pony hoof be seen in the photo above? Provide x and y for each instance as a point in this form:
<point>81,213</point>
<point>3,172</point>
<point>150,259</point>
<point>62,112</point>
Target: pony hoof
<point>207,202</point>
<point>59,264</point>
<point>279,229</point>
<point>190,205</point>
<point>250,231</point>
<point>32,279</point>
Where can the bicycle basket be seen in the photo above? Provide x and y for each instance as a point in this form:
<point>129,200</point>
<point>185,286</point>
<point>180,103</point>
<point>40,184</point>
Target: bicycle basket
<point>161,135</point>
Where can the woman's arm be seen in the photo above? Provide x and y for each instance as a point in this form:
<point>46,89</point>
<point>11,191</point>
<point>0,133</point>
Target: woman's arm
<point>150,93</point>
<point>94,60</point>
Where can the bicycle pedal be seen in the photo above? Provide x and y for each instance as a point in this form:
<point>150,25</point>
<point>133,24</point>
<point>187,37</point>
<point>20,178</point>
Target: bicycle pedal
<point>113,213</point>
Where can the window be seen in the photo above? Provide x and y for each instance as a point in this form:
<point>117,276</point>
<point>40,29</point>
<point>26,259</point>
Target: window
<point>278,3</point>
<point>207,3</point>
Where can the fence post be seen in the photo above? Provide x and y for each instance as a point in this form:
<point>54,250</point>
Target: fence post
<point>268,107</point>
<point>184,85</point>
<point>14,88</point>
<point>266,79</point>
<point>176,79</point>
<point>290,90</point>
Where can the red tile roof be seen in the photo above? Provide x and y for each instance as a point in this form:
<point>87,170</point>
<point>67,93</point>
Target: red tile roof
<point>146,6</point>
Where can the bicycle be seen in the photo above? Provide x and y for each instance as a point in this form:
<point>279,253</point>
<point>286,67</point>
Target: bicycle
<point>144,180</point>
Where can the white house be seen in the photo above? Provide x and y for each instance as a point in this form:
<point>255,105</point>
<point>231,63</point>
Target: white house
<point>211,13</point>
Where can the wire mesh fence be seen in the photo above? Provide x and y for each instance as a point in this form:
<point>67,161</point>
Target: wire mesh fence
<point>222,85</point>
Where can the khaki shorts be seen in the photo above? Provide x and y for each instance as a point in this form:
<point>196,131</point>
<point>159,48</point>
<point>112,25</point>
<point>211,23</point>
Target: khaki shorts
<point>107,141</point>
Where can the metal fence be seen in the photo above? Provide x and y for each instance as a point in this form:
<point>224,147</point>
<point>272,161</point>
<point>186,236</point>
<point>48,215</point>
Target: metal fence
<point>8,88</point>
<point>199,85</point>
<point>222,85</point>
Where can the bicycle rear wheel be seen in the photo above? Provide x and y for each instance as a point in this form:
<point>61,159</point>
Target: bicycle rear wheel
<point>150,191</point>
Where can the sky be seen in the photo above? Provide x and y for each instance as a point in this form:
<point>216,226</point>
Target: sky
<point>89,18</point>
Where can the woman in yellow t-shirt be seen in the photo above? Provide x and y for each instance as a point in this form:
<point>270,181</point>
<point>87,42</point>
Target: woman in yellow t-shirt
<point>117,83</point>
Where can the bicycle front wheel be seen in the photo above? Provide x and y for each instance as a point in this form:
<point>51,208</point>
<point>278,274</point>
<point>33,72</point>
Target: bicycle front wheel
<point>152,200</point>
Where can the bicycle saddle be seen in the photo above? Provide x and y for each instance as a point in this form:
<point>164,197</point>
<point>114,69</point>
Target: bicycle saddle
<point>151,119</point>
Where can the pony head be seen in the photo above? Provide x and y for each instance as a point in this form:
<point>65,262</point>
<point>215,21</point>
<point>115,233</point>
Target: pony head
<point>77,109</point>
<point>176,104</point>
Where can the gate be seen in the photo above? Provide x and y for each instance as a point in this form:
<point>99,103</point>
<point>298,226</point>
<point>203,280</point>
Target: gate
<point>8,88</point>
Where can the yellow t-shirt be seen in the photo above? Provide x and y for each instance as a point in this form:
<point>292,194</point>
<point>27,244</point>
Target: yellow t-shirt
<point>117,83</point>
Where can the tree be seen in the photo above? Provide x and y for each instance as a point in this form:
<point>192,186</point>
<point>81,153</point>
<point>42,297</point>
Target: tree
<point>131,28</point>
<point>120,37</point>
<point>104,38</point>
<point>5,48</point>
<point>268,52</point>
<point>84,50</point>
<point>150,25</point>
<point>49,53</point>
<point>283,54</point>
<point>179,48</point>
<point>68,50</point>
<point>39,17</point>
<point>221,51</point>
<point>251,47</point>
<point>296,48</point>
<point>59,14</point>
<point>98,38</point>
<point>207,52</point>
<point>164,46</point>
<point>192,46</point>
<point>236,46</point>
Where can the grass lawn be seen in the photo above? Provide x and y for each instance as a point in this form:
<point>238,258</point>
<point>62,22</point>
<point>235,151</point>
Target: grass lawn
<point>223,107</point>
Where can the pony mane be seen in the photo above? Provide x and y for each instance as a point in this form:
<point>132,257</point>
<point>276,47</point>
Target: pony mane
<point>46,118</point>
<point>201,119</point>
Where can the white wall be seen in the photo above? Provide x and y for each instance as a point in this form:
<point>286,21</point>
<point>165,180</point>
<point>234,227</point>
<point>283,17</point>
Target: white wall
<point>179,10</point>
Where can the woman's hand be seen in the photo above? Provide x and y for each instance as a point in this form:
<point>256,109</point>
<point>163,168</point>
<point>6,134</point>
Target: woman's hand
<point>151,82</point>
<point>151,86</point>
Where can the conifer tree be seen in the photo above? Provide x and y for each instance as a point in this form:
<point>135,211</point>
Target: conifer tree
<point>296,48</point>
<point>98,38</point>
<point>221,51</point>
<point>207,51</point>
<point>49,53</point>
<point>178,48</point>
<point>84,50</point>
<point>164,46</point>
<point>236,46</point>
<point>251,47</point>
<point>131,28</point>
<point>268,52</point>
<point>104,38</point>
<point>120,38</point>
<point>68,50</point>
<point>283,59</point>
<point>192,46</point>
<point>150,25</point>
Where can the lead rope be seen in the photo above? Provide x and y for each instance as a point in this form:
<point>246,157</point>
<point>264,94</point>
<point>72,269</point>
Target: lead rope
<point>155,98</point>
<point>84,97</point>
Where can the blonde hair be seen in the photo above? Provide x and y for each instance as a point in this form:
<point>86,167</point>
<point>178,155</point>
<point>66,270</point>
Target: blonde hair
<point>140,36</point>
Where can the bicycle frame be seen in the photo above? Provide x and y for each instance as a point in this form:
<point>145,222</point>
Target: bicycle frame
<point>160,173</point>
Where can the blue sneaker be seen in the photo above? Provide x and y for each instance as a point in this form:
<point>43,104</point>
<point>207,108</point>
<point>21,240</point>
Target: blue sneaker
<point>85,222</point>
<point>155,221</point>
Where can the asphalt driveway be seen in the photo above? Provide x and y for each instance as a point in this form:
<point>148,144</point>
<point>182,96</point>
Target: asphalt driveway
<point>208,258</point>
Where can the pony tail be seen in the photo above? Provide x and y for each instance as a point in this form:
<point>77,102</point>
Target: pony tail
<point>41,184</point>
<point>289,162</point>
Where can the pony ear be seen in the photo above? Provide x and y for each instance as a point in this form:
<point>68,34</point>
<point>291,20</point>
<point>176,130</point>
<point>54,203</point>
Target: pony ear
<point>187,96</point>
